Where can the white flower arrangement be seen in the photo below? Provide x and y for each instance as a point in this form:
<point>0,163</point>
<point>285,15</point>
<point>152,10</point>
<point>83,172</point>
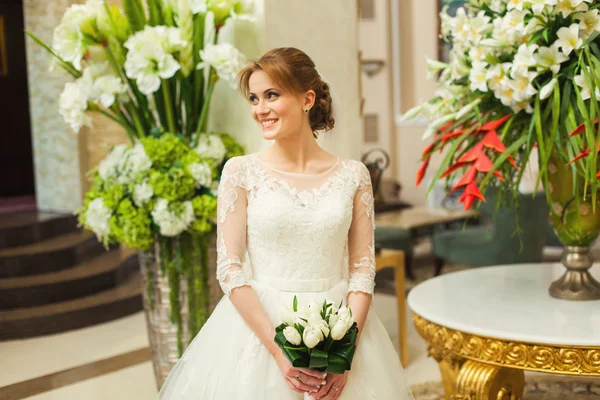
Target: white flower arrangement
<point>527,74</point>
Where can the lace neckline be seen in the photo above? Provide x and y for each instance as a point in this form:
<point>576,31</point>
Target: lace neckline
<point>337,161</point>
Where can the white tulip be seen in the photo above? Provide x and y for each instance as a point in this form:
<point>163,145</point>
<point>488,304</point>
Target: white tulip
<point>286,314</point>
<point>341,327</point>
<point>292,335</point>
<point>315,320</point>
<point>312,336</point>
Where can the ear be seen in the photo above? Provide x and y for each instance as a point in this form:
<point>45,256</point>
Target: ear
<point>309,99</point>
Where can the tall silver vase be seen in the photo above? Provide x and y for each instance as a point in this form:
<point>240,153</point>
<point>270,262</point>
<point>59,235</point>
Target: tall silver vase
<point>166,346</point>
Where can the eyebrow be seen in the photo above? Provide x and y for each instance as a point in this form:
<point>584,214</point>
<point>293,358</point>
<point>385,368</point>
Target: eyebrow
<point>268,90</point>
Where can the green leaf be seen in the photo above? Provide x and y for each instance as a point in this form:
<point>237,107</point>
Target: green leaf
<point>67,66</point>
<point>295,304</point>
<point>134,11</point>
<point>155,12</point>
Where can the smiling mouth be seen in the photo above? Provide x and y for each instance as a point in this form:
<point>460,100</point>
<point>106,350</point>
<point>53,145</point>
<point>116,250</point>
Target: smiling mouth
<point>269,122</point>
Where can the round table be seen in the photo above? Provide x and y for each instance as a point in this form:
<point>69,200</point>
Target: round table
<point>486,326</point>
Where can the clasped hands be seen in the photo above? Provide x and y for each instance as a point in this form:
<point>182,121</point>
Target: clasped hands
<point>318,385</point>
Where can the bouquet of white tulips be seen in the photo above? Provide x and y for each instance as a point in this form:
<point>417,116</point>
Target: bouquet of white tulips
<point>318,336</point>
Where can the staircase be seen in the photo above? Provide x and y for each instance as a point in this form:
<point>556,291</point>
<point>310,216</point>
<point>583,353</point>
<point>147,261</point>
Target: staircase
<point>55,277</point>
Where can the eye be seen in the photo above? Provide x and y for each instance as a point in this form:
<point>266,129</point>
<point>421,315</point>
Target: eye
<point>252,98</point>
<point>272,95</point>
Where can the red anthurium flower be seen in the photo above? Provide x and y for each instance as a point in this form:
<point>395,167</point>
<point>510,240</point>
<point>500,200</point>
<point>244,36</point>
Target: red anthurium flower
<point>598,175</point>
<point>483,163</point>
<point>471,193</point>
<point>493,125</point>
<point>581,128</point>
<point>428,150</point>
<point>467,178</point>
<point>446,126</point>
<point>499,175</point>
<point>473,153</point>
<point>582,154</point>
<point>492,141</point>
<point>453,168</point>
<point>421,171</point>
<point>512,162</point>
<point>452,134</point>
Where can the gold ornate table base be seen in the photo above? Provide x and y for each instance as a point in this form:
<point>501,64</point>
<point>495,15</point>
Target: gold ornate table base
<point>480,368</point>
<point>471,380</point>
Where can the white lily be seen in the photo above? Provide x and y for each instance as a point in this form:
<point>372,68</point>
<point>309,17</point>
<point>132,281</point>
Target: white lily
<point>538,6</point>
<point>515,5</point>
<point>569,39</point>
<point>466,109</point>
<point>585,88</point>
<point>567,7</point>
<point>524,57</point>
<point>478,77</point>
<point>588,22</point>
<point>550,58</point>
<point>547,89</point>
<point>522,84</point>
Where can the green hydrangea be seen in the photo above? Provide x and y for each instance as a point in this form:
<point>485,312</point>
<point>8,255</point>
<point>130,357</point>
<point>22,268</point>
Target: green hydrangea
<point>174,185</point>
<point>205,209</point>
<point>234,149</point>
<point>166,150</point>
<point>113,194</point>
<point>132,225</point>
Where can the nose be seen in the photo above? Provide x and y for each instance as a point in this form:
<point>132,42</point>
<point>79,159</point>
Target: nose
<point>263,109</point>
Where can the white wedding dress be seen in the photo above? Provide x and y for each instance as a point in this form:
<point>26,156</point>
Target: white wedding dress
<point>287,234</point>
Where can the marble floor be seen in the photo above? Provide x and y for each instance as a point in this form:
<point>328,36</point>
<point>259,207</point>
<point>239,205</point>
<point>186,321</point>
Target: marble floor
<point>111,360</point>
<point>25,360</point>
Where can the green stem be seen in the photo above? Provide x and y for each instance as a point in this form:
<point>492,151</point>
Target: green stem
<point>189,270</point>
<point>120,121</point>
<point>168,104</point>
<point>136,120</point>
<point>204,112</point>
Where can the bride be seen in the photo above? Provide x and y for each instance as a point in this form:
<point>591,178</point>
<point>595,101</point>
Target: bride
<point>293,220</point>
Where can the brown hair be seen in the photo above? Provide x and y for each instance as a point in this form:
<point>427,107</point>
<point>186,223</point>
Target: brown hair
<point>294,71</point>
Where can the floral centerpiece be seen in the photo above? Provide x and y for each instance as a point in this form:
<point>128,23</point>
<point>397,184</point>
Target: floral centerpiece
<point>522,75</point>
<point>151,67</point>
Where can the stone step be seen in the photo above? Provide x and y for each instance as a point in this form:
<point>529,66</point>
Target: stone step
<point>104,306</point>
<point>100,273</point>
<point>23,228</point>
<point>49,255</point>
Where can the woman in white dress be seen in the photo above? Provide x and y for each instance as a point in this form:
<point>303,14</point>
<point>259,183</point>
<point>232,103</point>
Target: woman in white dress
<point>293,220</point>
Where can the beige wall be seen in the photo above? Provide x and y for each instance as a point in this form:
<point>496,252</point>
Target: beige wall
<point>418,40</point>
<point>375,44</point>
<point>327,32</point>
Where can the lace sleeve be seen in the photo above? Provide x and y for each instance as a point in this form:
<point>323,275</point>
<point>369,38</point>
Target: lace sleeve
<point>361,237</point>
<point>231,227</point>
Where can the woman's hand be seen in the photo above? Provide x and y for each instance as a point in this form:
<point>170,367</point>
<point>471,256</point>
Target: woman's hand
<point>333,388</point>
<point>301,380</point>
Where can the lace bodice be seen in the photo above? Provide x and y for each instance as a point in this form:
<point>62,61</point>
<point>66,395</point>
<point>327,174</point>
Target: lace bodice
<point>292,227</point>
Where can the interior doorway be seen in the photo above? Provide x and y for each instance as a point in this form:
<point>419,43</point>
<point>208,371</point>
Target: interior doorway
<point>17,188</point>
